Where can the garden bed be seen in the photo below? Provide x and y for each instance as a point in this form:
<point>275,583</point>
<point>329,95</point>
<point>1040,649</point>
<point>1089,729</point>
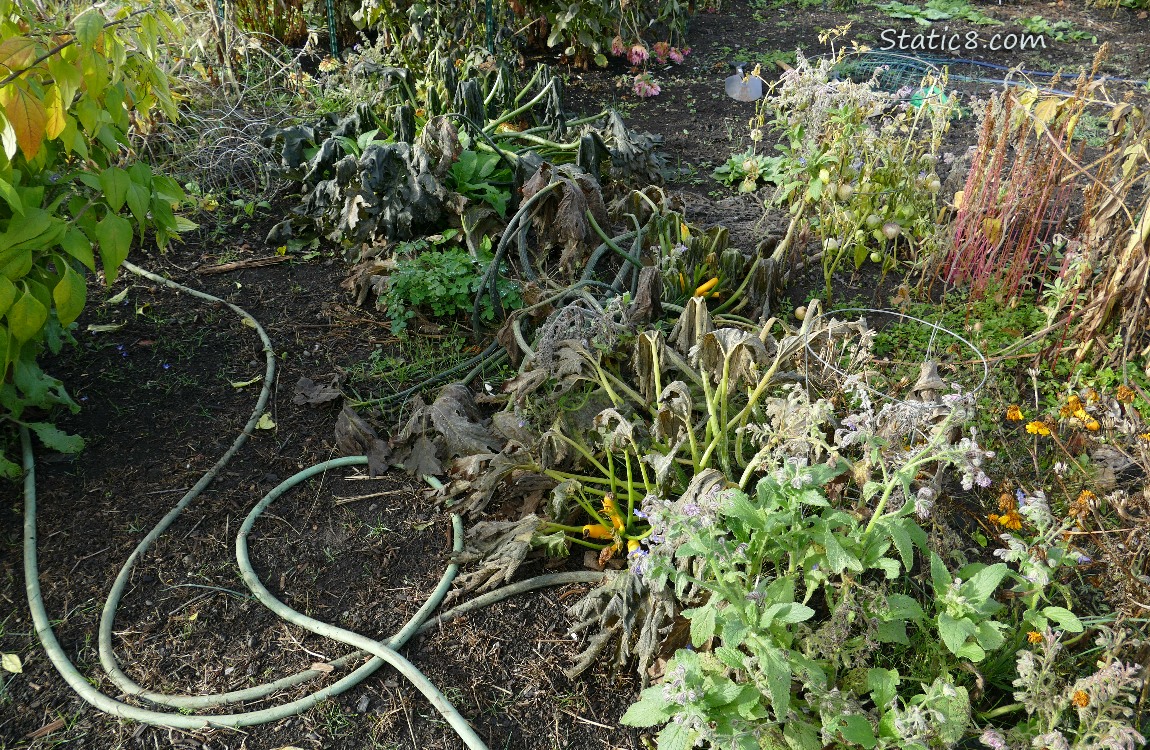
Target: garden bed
<point>166,382</point>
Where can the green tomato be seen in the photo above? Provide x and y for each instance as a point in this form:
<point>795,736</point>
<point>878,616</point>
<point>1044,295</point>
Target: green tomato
<point>876,257</point>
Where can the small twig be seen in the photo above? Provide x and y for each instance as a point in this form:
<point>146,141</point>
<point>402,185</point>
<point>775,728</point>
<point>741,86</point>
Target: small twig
<point>241,264</point>
<point>385,493</point>
<point>301,647</point>
<point>46,729</point>
<point>85,557</point>
<point>577,717</point>
<point>164,492</point>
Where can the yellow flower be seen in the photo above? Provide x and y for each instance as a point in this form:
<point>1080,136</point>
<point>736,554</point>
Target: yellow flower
<point>611,510</point>
<point>1034,636</point>
<point>1037,428</point>
<point>1124,394</point>
<point>1144,436</point>
<point>1014,413</point>
<point>1080,698</point>
<point>1092,425</point>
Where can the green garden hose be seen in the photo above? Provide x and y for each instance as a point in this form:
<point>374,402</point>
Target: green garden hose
<point>380,651</point>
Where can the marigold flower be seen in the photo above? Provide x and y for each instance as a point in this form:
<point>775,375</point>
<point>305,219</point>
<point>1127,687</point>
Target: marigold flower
<point>1009,520</point>
<point>1034,637</point>
<point>1014,413</point>
<point>1037,428</point>
<point>1144,436</point>
<point>1080,698</point>
<point>1092,425</point>
<point>1006,502</point>
<point>1124,394</point>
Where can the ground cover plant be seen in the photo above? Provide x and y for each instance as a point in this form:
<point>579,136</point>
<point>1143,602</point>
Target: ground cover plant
<point>846,446</point>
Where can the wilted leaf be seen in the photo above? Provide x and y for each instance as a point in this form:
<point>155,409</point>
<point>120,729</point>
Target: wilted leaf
<point>421,460</point>
<point>309,392</point>
<point>499,547</point>
<point>355,437</point>
<point>265,423</point>
<point>560,218</point>
<point>455,417</point>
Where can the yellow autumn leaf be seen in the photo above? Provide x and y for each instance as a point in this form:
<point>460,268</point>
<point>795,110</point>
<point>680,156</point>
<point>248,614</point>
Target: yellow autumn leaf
<point>1045,112</point>
<point>992,228</point>
<point>55,122</point>
<point>11,663</point>
<point>265,423</point>
<point>28,118</point>
<point>17,53</point>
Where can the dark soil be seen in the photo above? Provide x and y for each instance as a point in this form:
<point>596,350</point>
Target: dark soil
<point>163,398</point>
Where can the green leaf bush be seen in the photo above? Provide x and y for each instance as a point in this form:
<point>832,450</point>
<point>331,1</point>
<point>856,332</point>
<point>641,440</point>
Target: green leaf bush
<point>74,88</point>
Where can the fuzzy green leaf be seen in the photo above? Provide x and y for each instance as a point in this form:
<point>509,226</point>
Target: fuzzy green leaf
<point>1066,619</point>
<point>649,711</point>
<point>55,438</point>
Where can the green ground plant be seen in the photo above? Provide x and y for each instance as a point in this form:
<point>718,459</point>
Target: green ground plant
<point>436,276</point>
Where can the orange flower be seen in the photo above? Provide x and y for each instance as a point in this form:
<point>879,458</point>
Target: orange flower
<point>1014,413</point>
<point>1034,636</point>
<point>1009,520</point>
<point>1006,502</point>
<point>1080,506</point>
<point>1037,428</point>
<point>1092,425</point>
<point>1124,394</point>
<point>1080,698</point>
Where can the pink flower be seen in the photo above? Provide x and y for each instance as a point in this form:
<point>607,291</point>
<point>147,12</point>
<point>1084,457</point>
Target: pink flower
<point>677,54</point>
<point>637,55</point>
<point>618,48</point>
<point>661,50</point>
<point>645,86</point>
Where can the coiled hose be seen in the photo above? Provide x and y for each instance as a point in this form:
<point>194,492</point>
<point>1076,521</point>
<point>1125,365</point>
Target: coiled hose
<point>380,651</point>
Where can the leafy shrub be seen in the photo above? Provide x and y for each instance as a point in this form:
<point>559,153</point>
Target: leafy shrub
<point>73,89</point>
<point>859,163</point>
<point>442,282</point>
